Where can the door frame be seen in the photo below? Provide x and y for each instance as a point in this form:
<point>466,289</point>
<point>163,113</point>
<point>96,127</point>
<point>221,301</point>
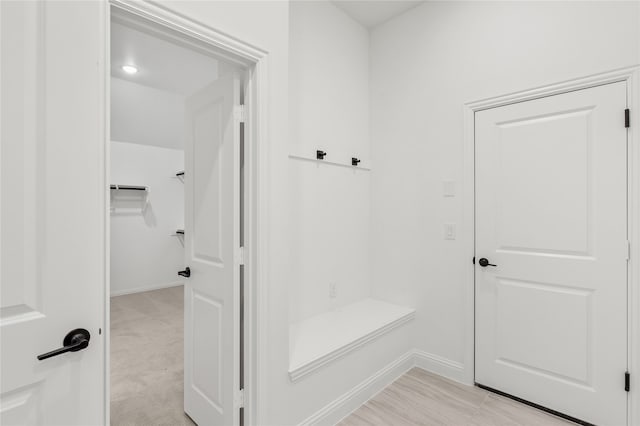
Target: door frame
<point>256,213</point>
<point>631,76</point>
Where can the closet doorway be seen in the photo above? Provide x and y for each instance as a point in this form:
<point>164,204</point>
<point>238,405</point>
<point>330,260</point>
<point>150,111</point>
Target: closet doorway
<point>177,227</point>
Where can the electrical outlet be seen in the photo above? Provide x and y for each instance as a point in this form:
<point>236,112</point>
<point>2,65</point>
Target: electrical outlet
<point>449,231</point>
<point>333,293</point>
<point>449,188</point>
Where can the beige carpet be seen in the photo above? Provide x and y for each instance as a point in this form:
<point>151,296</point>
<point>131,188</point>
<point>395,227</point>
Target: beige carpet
<point>147,358</point>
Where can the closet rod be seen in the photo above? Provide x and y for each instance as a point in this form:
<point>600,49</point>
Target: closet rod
<point>130,187</point>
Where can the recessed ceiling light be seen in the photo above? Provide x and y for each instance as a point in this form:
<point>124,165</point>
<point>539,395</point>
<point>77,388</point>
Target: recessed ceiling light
<point>130,69</point>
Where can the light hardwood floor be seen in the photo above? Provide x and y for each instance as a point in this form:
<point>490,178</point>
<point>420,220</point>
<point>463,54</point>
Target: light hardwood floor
<point>147,359</point>
<point>422,398</point>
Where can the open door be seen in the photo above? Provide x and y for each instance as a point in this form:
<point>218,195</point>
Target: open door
<point>53,213</point>
<point>212,219</point>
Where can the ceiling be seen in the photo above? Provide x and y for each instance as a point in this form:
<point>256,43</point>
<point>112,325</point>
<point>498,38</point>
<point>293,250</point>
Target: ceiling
<point>373,12</point>
<point>174,68</point>
<point>161,64</point>
<point>148,107</point>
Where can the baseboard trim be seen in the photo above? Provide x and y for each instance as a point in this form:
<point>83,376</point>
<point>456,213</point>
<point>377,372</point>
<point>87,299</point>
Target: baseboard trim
<point>146,288</point>
<point>350,401</point>
<point>444,367</point>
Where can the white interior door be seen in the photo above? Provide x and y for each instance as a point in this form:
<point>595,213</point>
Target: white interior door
<point>53,211</point>
<point>212,217</point>
<point>551,215</point>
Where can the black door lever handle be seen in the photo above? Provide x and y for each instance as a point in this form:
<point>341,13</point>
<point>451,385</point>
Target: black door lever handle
<point>74,341</point>
<point>186,273</point>
<point>485,262</point>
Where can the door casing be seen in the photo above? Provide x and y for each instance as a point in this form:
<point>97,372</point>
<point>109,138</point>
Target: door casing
<point>255,60</point>
<point>631,76</point>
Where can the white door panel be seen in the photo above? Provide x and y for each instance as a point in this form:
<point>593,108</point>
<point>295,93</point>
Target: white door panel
<point>212,160</point>
<point>52,211</point>
<point>551,213</point>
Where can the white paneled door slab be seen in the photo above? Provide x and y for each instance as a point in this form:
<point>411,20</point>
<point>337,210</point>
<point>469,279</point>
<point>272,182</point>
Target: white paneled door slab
<point>551,252</point>
<point>212,218</point>
<point>53,213</point>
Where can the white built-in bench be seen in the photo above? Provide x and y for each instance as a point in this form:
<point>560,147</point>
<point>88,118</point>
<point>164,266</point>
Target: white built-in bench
<point>323,338</point>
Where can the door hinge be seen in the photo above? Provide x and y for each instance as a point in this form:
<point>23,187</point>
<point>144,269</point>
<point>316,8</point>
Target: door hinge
<point>240,255</point>
<point>627,118</point>
<point>239,113</point>
<point>627,381</point>
<point>628,250</point>
<point>474,260</point>
<point>238,399</point>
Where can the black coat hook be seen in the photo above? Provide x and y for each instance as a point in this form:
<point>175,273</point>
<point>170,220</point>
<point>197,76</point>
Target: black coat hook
<point>354,161</point>
<point>320,154</point>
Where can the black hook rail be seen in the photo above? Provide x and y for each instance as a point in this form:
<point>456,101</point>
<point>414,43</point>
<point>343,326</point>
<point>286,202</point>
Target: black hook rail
<point>129,187</point>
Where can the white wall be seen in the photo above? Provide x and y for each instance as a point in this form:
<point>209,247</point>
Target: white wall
<point>144,253</point>
<point>146,115</point>
<point>329,110</point>
<point>425,65</point>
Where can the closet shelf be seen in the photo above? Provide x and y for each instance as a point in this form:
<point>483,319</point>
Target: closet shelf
<point>130,187</point>
<point>321,339</point>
